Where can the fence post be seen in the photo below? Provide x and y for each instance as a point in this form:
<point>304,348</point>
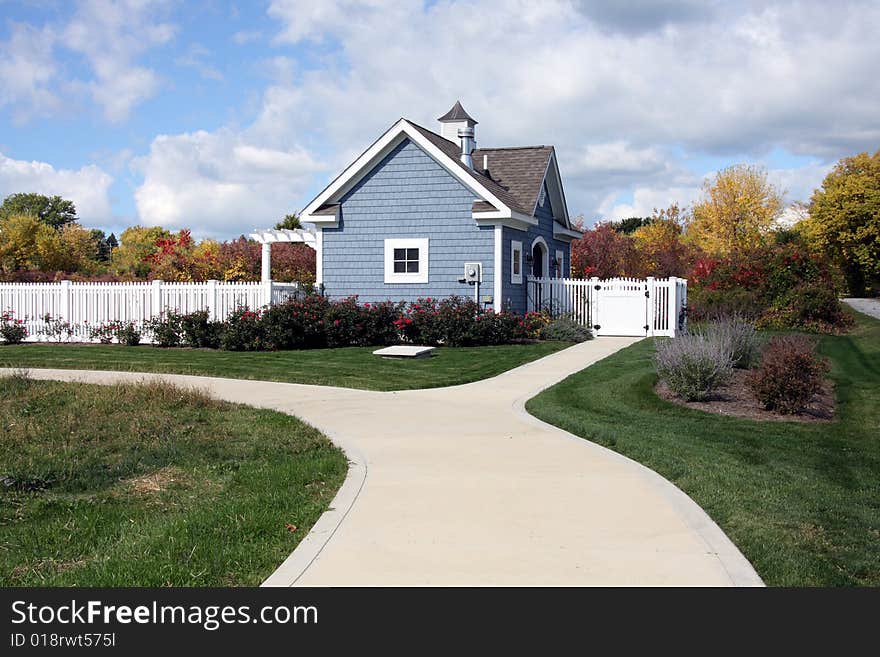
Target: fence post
<point>156,303</point>
<point>212,300</point>
<point>64,306</point>
<point>593,304</point>
<point>672,311</point>
<point>652,306</point>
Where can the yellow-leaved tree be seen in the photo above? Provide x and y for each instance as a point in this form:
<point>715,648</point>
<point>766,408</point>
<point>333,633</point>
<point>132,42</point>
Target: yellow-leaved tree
<point>26,243</point>
<point>136,243</point>
<point>660,244</point>
<point>736,212</point>
<point>844,219</point>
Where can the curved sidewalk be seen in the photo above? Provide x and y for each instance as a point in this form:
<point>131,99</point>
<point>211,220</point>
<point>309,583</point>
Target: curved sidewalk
<point>459,486</point>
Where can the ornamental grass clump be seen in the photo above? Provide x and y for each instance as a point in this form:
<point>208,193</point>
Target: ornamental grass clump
<point>564,329</point>
<point>789,375</point>
<point>693,366</point>
<point>738,336</point>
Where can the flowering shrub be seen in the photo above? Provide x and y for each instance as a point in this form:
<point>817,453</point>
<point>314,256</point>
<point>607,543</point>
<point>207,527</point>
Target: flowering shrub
<point>12,330</point>
<point>105,332</point>
<point>56,328</point>
<point>197,330</point>
<point>296,324</point>
<point>128,334</point>
<point>244,331</point>
<point>166,329</point>
<point>789,374</point>
<point>693,366</point>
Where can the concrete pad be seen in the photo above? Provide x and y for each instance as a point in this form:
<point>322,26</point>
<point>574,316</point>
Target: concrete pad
<point>404,351</point>
<point>460,486</point>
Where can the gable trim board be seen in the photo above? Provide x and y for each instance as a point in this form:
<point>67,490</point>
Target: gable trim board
<point>401,130</point>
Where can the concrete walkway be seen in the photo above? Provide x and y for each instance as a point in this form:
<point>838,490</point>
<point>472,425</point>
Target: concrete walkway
<point>868,306</point>
<point>459,486</point>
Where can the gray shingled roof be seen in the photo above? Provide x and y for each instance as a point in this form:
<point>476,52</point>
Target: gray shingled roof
<point>519,170</point>
<point>457,113</point>
<point>514,176</point>
<point>453,150</point>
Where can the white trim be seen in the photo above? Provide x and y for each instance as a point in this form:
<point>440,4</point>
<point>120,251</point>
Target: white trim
<point>545,257</point>
<point>364,164</point>
<point>565,234</point>
<point>421,244</point>
<point>560,258</point>
<point>517,221</point>
<point>319,256</point>
<point>497,272</point>
<point>516,279</point>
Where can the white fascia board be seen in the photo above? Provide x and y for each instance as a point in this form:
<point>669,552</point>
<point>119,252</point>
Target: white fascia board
<point>558,176</point>
<point>362,165</point>
<point>565,234</point>
<point>517,221</point>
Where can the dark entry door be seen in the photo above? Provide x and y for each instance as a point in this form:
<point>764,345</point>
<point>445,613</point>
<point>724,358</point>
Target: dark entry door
<point>537,262</point>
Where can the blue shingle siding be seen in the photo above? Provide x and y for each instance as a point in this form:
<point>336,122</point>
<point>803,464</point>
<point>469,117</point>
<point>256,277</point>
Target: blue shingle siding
<point>407,195</point>
<point>514,296</point>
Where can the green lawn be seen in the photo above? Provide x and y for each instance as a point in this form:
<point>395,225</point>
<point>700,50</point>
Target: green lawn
<point>802,501</point>
<point>152,485</point>
<point>351,367</point>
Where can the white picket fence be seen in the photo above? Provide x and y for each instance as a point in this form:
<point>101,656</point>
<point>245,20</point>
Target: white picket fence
<point>85,305</point>
<point>615,306</point>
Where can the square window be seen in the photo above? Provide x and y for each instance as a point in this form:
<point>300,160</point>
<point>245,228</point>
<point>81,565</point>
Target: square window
<point>406,260</point>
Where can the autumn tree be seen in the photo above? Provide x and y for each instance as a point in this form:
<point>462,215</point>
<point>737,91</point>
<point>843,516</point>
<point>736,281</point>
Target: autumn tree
<point>660,244</point>
<point>603,252</point>
<point>137,244</point>
<point>844,219</point>
<point>53,211</point>
<point>736,212</point>
<point>26,243</point>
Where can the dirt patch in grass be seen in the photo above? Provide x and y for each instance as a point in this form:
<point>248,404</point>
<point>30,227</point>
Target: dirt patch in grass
<point>158,481</point>
<point>736,399</point>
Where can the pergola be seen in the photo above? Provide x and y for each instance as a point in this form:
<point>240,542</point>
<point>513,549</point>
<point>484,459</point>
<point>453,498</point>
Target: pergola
<point>268,236</point>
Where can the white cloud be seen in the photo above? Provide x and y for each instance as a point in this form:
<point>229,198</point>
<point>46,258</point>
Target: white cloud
<point>27,70</point>
<point>111,36</point>
<point>598,82</point>
<point>88,187</point>
<point>219,184</point>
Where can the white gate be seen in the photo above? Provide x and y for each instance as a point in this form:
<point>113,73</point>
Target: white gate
<point>614,306</point>
<point>621,307</point>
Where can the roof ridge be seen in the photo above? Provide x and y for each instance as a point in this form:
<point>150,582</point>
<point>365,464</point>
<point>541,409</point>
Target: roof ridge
<point>514,148</point>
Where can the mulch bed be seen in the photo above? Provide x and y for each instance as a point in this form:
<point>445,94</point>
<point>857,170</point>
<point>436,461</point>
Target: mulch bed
<point>736,399</point>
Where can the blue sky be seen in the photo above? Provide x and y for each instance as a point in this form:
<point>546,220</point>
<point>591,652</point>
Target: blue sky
<point>223,116</point>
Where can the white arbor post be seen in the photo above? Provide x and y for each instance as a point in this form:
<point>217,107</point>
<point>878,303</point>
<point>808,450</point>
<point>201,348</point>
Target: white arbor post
<point>266,271</point>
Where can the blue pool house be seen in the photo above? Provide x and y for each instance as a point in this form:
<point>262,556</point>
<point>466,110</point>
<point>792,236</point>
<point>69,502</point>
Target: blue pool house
<point>422,214</point>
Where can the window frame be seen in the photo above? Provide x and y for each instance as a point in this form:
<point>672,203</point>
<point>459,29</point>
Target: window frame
<point>420,243</point>
<point>516,279</point>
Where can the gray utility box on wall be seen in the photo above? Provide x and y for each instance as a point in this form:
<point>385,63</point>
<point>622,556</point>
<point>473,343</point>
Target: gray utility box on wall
<point>473,272</point>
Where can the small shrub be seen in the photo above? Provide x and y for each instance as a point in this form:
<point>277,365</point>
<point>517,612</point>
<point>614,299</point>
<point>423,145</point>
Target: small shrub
<point>57,329</point>
<point>105,332</point>
<point>738,336</point>
<point>706,304</point>
<point>566,330</point>
<point>197,330</point>
<point>12,330</point>
<point>810,306</point>
<point>243,331</point>
<point>296,324</point>
<point>789,375</point>
<point>127,333</point>
<point>166,329</point>
<point>693,366</point>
